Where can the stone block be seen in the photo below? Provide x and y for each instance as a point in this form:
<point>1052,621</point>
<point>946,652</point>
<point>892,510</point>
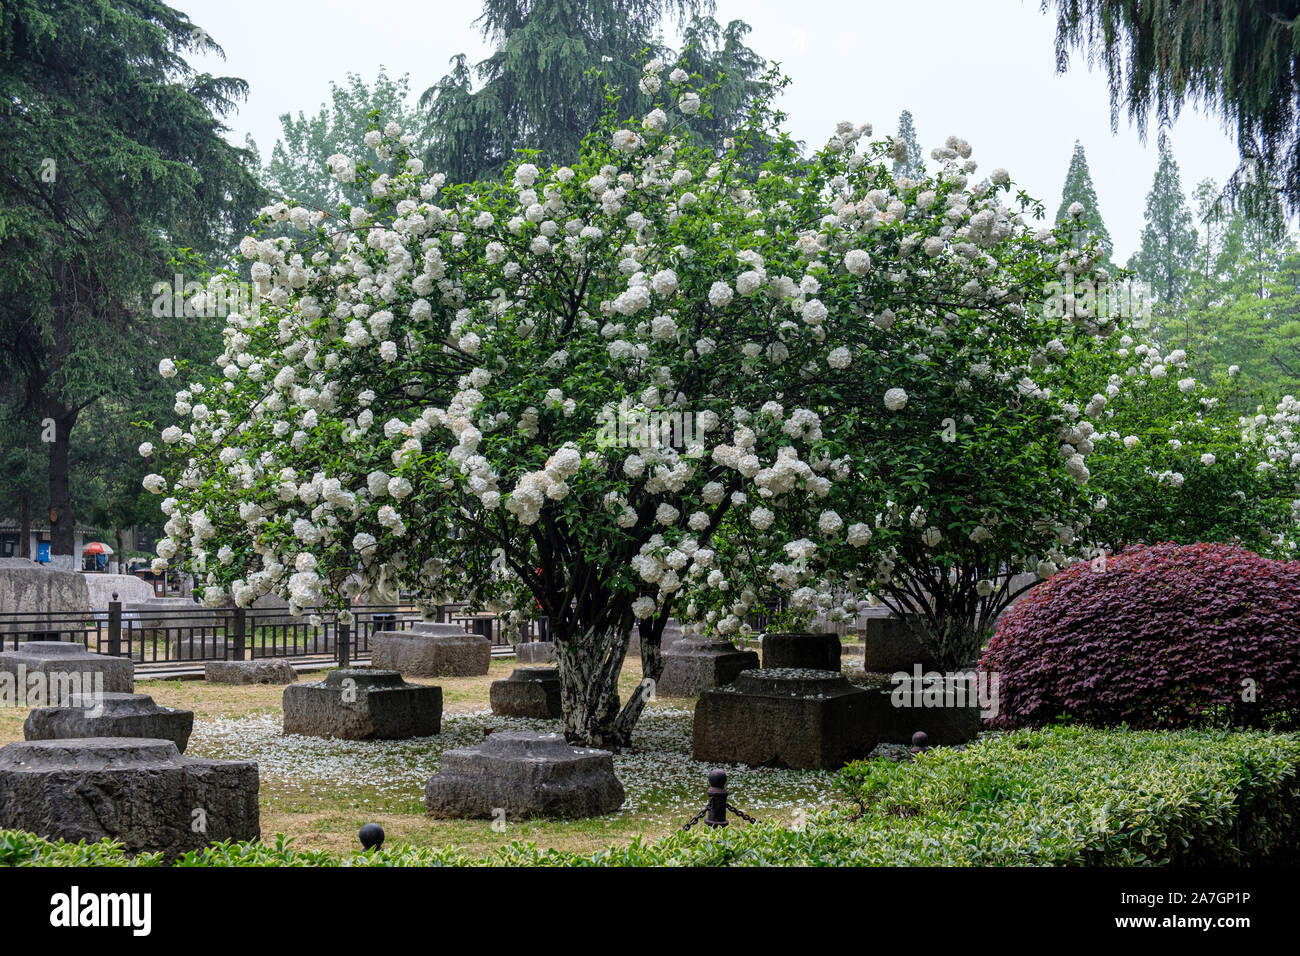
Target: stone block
<point>128,588</point>
<point>528,692</point>
<point>362,703</point>
<point>819,652</point>
<point>140,792</point>
<point>694,664</point>
<point>169,619</point>
<point>49,673</point>
<point>535,652</point>
<point>259,671</point>
<point>802,719</point>
<point>432,650</point>
<point>897,710</point>
<point>42,595</point>
<point>892,644</point>
<point>519,775</point>
<point>110,715</point>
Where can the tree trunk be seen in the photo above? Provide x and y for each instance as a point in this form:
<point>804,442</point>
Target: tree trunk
<point>117,564</point>
<point>62,528</point>
<point>25,545</point>
<point>589,664</point>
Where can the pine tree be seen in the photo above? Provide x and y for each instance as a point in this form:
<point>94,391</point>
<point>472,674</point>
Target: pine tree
<point>1168,250</point>
<point>1078,188</point>
<point>913,166</point>
<point>544,87</point>
<point>1235,57</point>
<point>113,162</point>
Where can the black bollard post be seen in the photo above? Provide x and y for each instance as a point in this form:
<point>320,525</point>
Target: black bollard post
<point>372,837</point>
<point>717,815</point>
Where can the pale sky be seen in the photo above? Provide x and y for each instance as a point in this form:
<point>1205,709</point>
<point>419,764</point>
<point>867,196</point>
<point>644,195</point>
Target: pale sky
<point>983,70</point>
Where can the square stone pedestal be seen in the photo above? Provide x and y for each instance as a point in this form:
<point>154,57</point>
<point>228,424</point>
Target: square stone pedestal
<point>49,673</point>
<point>695,664</point>
<point>362,703</point>
<point>141,792</point>
<point>517,775</point>
<point>819,652</point>
<point>892,644</point>
<point>948,716</point>
<point>802,719</point>
<point>528,692</point>
<point>110,715</point>
<point>432,650</point>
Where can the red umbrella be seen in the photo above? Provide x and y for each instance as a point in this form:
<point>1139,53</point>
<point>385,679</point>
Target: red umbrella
<point>96,547</point>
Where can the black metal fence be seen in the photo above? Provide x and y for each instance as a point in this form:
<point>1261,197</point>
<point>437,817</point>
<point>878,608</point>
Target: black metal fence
<point>183,634</point>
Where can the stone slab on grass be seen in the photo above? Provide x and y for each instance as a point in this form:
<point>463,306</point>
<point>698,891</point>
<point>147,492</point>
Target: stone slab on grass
<point>110,715</point>
<point>259,671</point>
<point>535,652</point>
<point>801,719</point>
<point>518,774</point>
<point>432,650</point>
<point>140,792</point>
<point>528,692</point>
<point>363,703</point>
<point>695,664</point>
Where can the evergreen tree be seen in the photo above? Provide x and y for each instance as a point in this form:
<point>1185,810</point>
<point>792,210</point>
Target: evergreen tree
<point>298,169</point>
<point>1078,188</point>
<point>543,88</point>
<point>111,161</point>
<point>1167,254</point>
<point>913,164</point>
<point>1238,58</point>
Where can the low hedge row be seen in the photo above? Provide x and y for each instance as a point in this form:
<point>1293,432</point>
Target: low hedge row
<point>1058,796</point>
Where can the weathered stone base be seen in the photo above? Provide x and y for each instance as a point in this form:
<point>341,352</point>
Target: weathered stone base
<point>528,692</point>
<point>803,719</point>
<point>363,703</point>
<point>891,644</point>
<point>142,793</point>
<point>110,715</point>
<point>167,618</point>
<point>65,669</point>
<point>524,775</point>
<point>535,652</point>
<point>432,650</point>
<point>819,652</point>
<point>944,725</point>
<point>695,664</point>
<point>259,671</point>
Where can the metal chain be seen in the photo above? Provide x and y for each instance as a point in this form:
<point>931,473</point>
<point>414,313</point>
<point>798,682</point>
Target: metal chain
<point>736,810</point>
<point>695,819</point>
<point>741,813</point>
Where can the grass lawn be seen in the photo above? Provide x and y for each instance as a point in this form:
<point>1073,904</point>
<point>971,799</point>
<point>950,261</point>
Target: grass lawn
<point>321,791</point>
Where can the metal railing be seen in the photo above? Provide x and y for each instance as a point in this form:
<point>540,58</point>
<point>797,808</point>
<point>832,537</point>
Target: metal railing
<point>184,634</point>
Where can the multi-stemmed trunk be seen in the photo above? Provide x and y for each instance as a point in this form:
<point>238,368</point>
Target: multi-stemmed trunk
<point>589,664</point>
<point>956,620</point>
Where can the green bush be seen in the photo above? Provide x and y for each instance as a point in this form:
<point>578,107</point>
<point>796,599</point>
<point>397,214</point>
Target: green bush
<point>1055,797</point>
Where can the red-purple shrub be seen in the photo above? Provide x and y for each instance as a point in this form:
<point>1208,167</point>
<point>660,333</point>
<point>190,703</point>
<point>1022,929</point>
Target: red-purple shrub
<point>1165,636</point>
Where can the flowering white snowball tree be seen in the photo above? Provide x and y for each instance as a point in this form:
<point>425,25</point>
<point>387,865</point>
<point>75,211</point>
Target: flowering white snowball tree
<point>970,467</point>
<point>551,392</point>
<point>1174,462</point>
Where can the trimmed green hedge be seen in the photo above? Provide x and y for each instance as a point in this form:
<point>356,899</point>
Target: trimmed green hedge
<point>1058,796</point>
